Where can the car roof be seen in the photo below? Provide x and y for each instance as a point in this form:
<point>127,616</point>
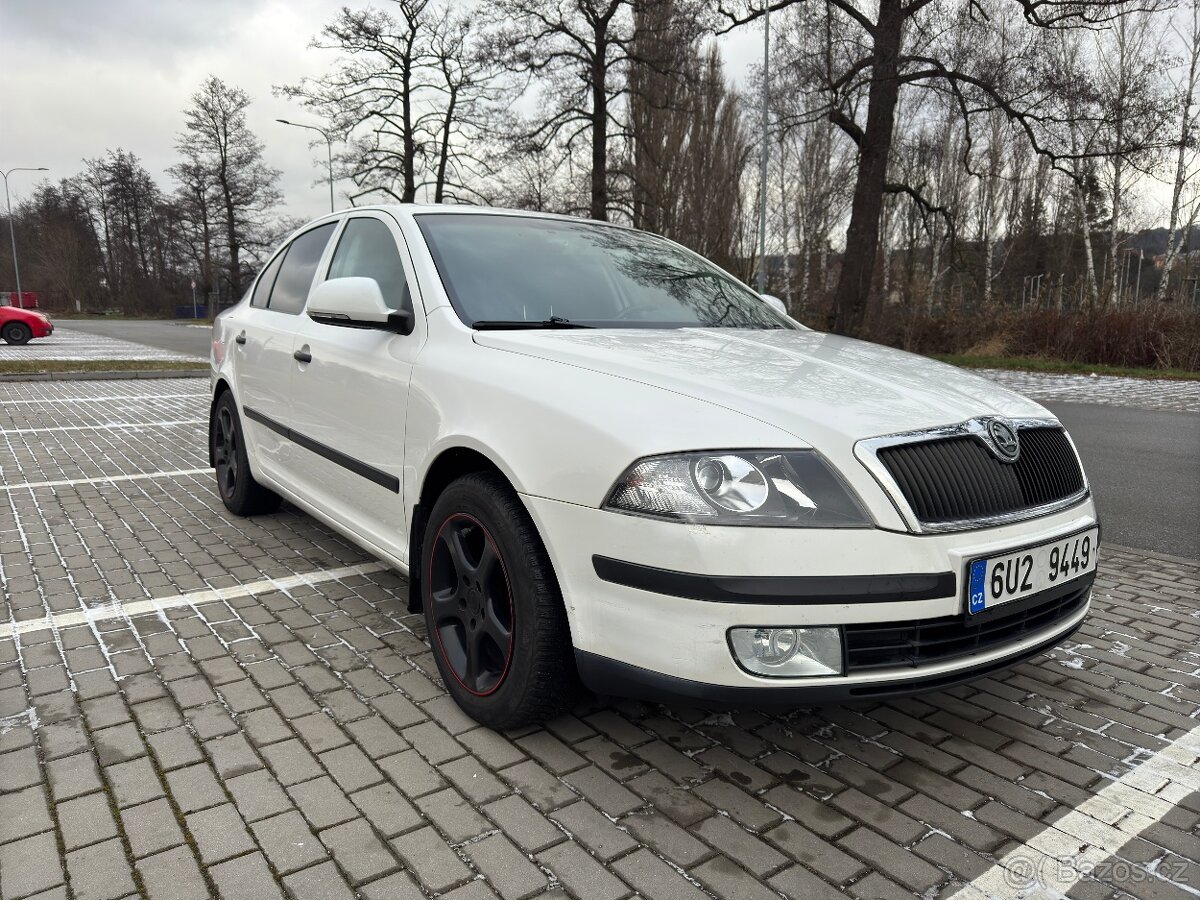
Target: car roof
<point>409,210</point>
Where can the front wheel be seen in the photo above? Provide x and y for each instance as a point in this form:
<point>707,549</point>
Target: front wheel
<point>17,333</point>
<point>241,494</point>
<point>495,616</point>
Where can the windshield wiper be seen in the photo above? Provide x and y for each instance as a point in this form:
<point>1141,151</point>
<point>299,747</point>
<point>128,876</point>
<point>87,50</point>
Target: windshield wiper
<point>501,324</point>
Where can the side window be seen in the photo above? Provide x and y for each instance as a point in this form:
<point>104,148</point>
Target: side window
<point>367,249</point>
<point>262,289</point>
<point>299,266</point>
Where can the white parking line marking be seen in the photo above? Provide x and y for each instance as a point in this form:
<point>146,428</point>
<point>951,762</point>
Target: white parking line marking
<point>103,479</point>
<point>1052,862</point>
<point>131,608</point>
<point>107,427</point>
<point>197,395</point>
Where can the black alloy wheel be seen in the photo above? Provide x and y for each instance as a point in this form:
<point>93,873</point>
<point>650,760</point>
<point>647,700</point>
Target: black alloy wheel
<point>471,604</point>
<point>241,494</point>
<point>17,333</point>
<point>225,452</point>
<point>493,609</point>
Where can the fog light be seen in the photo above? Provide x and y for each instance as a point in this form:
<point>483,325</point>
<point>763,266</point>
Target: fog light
<point>788,652</point>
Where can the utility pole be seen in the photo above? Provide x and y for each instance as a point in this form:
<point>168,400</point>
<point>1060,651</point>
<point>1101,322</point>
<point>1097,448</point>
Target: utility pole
<point>762,191</point>
<point>12,234</point>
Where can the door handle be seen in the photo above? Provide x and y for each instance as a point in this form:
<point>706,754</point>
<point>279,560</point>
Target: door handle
<point>240,339</point>
<point>302,356</point>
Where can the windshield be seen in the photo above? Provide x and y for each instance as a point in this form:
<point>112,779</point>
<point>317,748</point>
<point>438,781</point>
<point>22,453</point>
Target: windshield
<point>513,271</point>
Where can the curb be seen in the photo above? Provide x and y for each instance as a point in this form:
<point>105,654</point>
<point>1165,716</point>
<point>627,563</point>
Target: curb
<point>131,374</point>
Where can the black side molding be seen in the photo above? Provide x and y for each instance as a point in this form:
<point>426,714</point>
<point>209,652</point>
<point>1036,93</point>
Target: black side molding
<point>777,589</point>
<point>358,467</point>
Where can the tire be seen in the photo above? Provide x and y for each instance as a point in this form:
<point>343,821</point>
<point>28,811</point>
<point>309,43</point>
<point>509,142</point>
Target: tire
<point>487,585</point>
<point>17,333</point>
<point>241,494</point>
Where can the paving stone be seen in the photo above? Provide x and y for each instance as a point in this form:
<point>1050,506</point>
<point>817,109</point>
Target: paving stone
<point>387,810</point>
<point>815,853</point>
<point>291,762</point>
<point>473,779</point>
<point>594,830</point>
<point>194,788</point>
<point>551,752</point>
<point>654,879</point>
<point>174,748</point>
<point>743,808</point>
<point>509,871</point>
<point>409,772</point>
<point>399,886</point>
<point>219,834</point>
<point>666,838</point>
<point>100,872</point>
<point>24,813</point>
<point>351,768</point>
<point>232,755</point>
<point>318,883</point>
<point>748,850</point>
<point>610,796</point>
<point>426,855</point>
<point>257,795</point>
<point>151,827</point>
<point>174,873</point>
<point>727,879</point>
<point>452,815</point>
<point>892,860</point>
<point>133,782</point>
<point>30,865</point>
<point>583,876</point>
<point>322,803</point>
<point>522,823</point>
<point>538,786</point>
<point>358,851</point>
<point>288,843</point>
<point>796,881</point>
<point>85,820</point>
<point>245,878</point>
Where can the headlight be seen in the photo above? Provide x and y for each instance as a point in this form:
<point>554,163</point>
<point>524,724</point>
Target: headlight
<point>780,488</point>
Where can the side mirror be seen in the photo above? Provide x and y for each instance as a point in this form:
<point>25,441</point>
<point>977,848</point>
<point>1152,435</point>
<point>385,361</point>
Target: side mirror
<point>356,303</point>
<point>775,303</point>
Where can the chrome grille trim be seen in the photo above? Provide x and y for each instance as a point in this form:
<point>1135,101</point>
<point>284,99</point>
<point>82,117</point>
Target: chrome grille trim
<point>866,451</point>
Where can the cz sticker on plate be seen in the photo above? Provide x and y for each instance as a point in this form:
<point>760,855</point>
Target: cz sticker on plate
<point>1001,579</point>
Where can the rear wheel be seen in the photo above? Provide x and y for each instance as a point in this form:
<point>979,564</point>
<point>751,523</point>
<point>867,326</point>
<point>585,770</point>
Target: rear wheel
<point>241,494</point>
<point>17,333</point>
<point>492,606</point>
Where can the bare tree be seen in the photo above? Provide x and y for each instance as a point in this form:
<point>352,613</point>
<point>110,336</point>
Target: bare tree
<point>1185,202</point>
<point>217,141</point>
<point>934,45</point>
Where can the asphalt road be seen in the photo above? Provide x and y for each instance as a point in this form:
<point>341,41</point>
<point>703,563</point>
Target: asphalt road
<point>163,334</point>
<point>1144,466</point>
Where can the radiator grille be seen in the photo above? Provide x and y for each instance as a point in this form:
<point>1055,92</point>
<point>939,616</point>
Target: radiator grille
<point>923,642</point>
<point>958,479</point>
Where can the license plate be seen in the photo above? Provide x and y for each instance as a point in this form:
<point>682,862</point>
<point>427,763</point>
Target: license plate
<point>1002,579</point>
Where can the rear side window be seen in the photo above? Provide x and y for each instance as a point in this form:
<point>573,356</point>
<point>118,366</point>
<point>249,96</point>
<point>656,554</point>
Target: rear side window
<point>262,290</point>
<point>299,265</point>
<point>367,249</point>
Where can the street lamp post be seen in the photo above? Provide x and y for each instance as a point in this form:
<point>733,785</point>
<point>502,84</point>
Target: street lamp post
<point>12,234</point>
<point>328,150</point>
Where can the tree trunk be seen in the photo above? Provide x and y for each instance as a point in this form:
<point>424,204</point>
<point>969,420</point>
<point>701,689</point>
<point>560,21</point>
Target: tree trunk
<point>599,207</point>
<point>862,236</point>
<point>439,188</point>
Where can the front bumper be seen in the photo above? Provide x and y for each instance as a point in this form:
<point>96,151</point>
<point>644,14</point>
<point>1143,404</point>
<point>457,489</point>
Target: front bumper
<point>633,636</point>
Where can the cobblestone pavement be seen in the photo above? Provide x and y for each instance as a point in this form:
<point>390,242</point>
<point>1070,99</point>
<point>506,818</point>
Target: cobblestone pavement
<point>1144,393</point>
<point>197,705</point>
<point>69,344</point>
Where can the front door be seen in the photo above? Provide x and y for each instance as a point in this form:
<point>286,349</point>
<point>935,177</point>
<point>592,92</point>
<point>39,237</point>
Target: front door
<point>350,393</point>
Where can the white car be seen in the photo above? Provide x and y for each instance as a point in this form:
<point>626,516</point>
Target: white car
<point>602,460</point>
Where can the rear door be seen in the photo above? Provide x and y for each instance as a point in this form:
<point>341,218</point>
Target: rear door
<point>351,398</point>
<point>263,346</point>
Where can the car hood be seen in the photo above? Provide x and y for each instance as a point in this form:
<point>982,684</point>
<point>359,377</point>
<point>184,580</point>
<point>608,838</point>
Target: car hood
<point>813,385</point>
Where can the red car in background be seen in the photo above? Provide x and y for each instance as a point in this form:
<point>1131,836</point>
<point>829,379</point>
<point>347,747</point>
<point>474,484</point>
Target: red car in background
<point>19,326</point>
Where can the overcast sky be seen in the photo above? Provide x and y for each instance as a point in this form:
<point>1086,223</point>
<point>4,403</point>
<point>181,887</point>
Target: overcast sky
<point>78,77</point>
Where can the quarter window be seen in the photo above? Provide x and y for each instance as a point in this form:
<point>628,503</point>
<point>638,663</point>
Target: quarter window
<point>262,290</point>
<point>367,249</point>
<point>299,266</point>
